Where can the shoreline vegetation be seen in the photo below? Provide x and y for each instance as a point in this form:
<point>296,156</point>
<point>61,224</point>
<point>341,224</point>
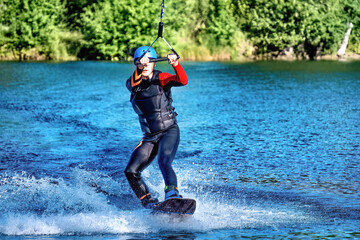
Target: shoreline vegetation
<point>199,30</point>
<point>34,55</point>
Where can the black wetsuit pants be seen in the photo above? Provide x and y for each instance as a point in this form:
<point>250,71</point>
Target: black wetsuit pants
<point>164,145</point>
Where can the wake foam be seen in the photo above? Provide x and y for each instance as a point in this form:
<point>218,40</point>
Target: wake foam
<point>49,206</point>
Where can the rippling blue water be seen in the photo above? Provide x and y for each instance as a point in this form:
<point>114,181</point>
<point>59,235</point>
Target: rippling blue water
<point>268,150</point>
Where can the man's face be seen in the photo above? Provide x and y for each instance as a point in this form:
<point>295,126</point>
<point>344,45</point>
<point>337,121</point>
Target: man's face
<point>148,69</point>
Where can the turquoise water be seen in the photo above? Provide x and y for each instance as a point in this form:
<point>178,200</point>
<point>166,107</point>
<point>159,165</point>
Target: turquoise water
<point>268,150</point>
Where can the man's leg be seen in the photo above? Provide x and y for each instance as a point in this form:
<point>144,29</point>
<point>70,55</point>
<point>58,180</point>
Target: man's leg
<point>140,159</point>
<point>168,145</point>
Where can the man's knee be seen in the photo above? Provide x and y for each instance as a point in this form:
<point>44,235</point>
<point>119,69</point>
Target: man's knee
<point>131,173</point>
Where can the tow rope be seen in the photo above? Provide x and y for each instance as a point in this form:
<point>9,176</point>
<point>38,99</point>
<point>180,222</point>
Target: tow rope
<point>160,35</point>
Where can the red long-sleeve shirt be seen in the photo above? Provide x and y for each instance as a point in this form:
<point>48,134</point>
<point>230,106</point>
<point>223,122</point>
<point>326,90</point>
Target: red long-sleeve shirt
<point>179,79</point>
<point>180,76</point>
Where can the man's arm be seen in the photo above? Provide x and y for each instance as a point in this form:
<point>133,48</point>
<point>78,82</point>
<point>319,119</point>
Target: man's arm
<point>180,79</point>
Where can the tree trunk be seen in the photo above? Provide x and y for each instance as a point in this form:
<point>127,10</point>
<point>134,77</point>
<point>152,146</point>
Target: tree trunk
<point>344,44</point>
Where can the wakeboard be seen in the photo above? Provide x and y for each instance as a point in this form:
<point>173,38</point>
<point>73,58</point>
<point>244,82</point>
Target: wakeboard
<point>180,206</point>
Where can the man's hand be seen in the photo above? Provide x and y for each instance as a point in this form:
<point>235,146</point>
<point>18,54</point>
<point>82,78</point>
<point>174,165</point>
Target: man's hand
<point>173,59</point>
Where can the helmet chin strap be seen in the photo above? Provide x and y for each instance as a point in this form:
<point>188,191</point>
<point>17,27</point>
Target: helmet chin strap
<point>160,35</point>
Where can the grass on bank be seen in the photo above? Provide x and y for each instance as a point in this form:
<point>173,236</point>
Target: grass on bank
<point>69,46</point>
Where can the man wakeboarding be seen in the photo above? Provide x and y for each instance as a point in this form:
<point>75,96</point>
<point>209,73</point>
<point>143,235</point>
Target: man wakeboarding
<point>151,99</point>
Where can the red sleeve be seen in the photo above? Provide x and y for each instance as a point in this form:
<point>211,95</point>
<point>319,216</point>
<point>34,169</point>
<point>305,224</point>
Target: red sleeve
<point>180,79</point>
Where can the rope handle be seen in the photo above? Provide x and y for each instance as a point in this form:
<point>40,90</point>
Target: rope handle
<point>157,59</point>
<point>160,35</point>
<point>161,59</point>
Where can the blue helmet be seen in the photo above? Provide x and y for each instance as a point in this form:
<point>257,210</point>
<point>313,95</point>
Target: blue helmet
<point>150,54</point>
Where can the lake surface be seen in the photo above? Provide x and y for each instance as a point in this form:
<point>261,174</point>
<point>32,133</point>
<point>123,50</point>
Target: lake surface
<point>268,149</point>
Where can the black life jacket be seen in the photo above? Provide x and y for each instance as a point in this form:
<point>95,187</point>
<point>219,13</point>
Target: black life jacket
<point>153,105</point>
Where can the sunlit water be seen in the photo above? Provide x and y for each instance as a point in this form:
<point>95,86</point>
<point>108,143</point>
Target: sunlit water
<point>268,150</point>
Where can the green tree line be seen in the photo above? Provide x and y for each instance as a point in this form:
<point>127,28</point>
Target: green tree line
<point>197,29</point>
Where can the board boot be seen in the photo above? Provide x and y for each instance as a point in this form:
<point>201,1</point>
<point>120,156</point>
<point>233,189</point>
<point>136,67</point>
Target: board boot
<point>148,202</point>
<point>171,192</point>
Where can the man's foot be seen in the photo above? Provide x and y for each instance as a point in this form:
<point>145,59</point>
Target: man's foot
<point>148,202</point>
<point>171,192</point>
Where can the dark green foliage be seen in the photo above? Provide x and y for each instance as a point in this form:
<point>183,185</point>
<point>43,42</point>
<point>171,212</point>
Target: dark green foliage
<point>352,12</point>
<point>220,24</point>
<point>74,9</point>
<point>311,27</point>
<point>113,29</point>
<point>32,24</point>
